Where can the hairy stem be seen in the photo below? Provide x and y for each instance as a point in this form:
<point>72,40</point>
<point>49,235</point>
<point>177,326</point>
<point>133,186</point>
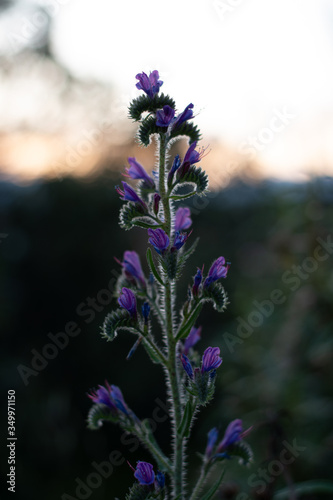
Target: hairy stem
<point>201,481</point>
<point>171,341</point>
<point>155,450</point>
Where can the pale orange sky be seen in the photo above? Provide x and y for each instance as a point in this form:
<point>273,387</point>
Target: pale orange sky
<point>259,72</point>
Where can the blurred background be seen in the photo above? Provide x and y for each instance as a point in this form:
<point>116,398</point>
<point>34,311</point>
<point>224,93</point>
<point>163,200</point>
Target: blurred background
<point>260,77</point>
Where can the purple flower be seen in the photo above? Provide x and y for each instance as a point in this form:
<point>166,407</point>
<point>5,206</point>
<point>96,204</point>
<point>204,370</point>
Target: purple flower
<point>175,166</point>
<point>187,114</point>
<point>150,85</point>
<point>212,438</point>
<point>127,300</point>
<point>145,311</point>
<point>187,365</point>
<point>232,434</point>
<point>197,282</point>
<point>182,219</point>
<point>164,116</point>
<point>129,194</point>
<point>119,401</point>
<point>193,156</point>
<point>193,337</point>
<point>159,239</point>
<point>144,473</point>
<point>217,271</point>
<point>103,396</point>
<point>179,241</point>
<point>211,359</point>
<point>160,480</point>
<point>132,267</point>
<point>136,171</point>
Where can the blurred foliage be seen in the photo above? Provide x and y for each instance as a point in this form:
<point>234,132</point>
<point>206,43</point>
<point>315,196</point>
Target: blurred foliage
<point>62,237</point>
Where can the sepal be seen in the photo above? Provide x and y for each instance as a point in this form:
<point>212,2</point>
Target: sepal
<point>144,103</point>
<point>201,387</point>
<point>182,258</point>
<point>139,492</point>
<point>99,413</point>
<point>205,386</point>
<point>169,264</point>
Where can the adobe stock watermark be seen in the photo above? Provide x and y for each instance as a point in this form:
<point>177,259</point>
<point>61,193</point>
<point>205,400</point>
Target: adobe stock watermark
<point>293,278</point>
<point>277,124</point>
<point>31,26</point>
<point>87,309</point>
<point>103,470</point>
<point>266,475</point>
<point>74,156</point>
<point>225,7</point>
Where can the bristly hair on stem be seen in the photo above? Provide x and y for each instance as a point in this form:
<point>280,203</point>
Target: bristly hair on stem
<point>190,376</point>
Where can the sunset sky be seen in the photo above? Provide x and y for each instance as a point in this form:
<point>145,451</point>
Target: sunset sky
<point>259,72</point>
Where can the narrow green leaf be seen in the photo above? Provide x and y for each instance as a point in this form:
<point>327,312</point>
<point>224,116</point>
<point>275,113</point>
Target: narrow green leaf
<point>150,351</point>
<point>152,267</point>
<point>185,330</point>
<point>178,197</point>
<point>140,222</point>
<point>213,489</point>
<point>184,427</point>
<point>189,252</point>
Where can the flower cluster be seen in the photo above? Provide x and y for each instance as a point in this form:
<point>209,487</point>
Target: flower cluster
<point>146,300</point>
<point>146,476</point>
<point>234,434</point>
<point>112,397</point>
<point>201,380</point>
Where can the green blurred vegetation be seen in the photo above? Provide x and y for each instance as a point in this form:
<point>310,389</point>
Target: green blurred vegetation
<point>62,237</point>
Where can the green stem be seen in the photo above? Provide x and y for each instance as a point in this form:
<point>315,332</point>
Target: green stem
<point>201,480</point>
<point>171,341</point>
<point>155,450</point>
<point>157,309</point>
